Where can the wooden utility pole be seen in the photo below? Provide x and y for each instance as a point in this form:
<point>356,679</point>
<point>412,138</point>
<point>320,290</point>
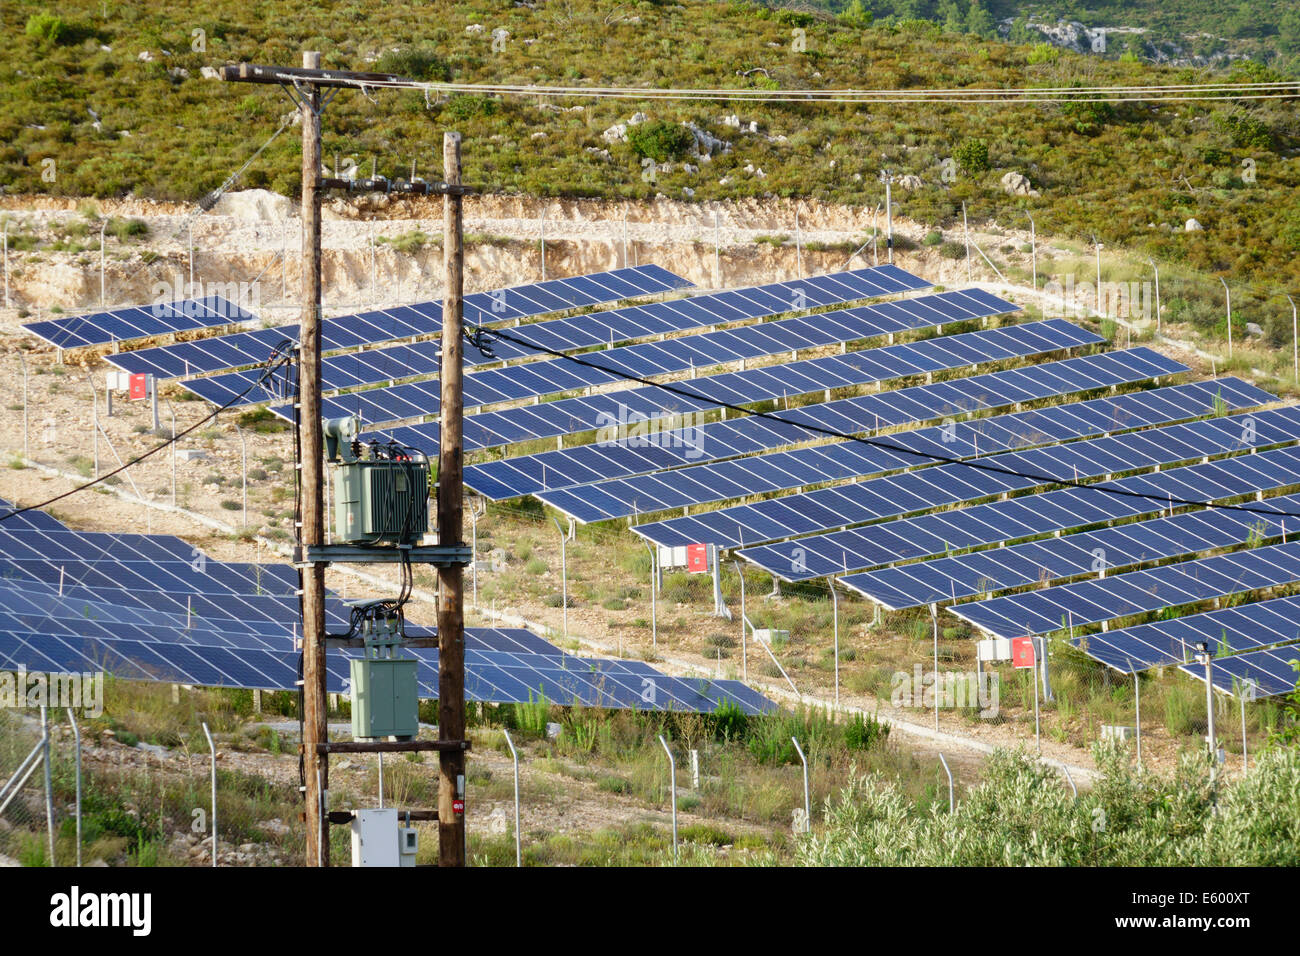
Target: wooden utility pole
<point>304,85</point>
<point>451,608</point>
<point>315,763</point>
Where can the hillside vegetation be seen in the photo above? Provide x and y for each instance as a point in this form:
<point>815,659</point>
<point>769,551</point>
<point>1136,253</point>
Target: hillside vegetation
<point>107,99</point>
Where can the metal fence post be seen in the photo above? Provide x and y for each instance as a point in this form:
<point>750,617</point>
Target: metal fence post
<point>835,610</point>
<point>49,782</point>
<point>934,616</point>
<point>654,609</point>
<point>514,755</point>
<point>952,802</point>
<point>1157,272</point>
<point>1228,299</point>
<point>1071,779</point>
<point>807,801</point>
<point>172,409</point>
<point>23,359</point>
<point>744,623</point>
<point>672,783</point>
<point>213,748</point>
<point>102,226</point>
<point>76,736</point>
<point>243,457</point>
<point>564,575</point>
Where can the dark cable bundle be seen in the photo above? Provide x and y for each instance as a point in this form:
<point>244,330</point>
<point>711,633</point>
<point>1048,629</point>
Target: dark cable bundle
<point>481,338</point>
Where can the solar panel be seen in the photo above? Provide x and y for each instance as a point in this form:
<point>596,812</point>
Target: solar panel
<point>941,532</point>
<point>1089,552</point>
<point>940,485</point>
<point>822,464</point>
<point>1136,592</point>
<point>651,359</point>
<point>139,322</point>
<point>623,456</point>
<point>1272,671</point>
<point>596,330</point>
<point>1249,627</point>
<point>650,404</point>
<point>493,676</point>
<point>348,331</point>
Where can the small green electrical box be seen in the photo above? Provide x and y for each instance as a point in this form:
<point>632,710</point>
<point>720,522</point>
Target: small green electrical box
<point>384,701</point>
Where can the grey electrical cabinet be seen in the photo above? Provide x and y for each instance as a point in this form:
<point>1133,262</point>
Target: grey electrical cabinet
<point>384,698</point>
<point>380,502</point>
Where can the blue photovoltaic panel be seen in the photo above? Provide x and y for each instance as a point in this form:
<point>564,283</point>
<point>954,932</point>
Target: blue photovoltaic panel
<point>940,485</point>
<point>1052,559</point>
<point>1228,631</point>
<point>651,359</point>
<point>974,526</point>
<point>494,676</point>
<point>1137,592</point>
<point>595,330</point>
<point>623,456</point>
<point>821,464</point>
<point>424,318</point>
<point>147,607</point>
<point>650,403</point>
<point>139,322</point>
<point>1272,671</point>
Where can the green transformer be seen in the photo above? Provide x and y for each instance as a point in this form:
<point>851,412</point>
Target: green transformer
<point>384,698</point>
<point>380,502</point>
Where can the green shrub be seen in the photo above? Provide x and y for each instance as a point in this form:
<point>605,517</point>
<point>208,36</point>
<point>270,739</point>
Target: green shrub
<point>416,63</point>
<point>45,27</point>
<point>972,156</point>
<point>659,140</point>
<point>862,732</point>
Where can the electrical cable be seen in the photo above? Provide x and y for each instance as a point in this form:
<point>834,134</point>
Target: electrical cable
<point>881,444</point>
<point>271,365</point>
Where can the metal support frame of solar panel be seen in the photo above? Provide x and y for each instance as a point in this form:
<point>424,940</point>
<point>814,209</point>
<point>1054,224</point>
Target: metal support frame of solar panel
<point>380,325</point>
<point>1025,517</point>
<point>509,678</point>
<point>626,457</point>
<point>594,331</point>
<point>699,352</point>
<point>139,322</point>
<point>827,464</point>
<point>939,485</point>
<point>651,405</point>
<point>993,571</point>
<point>1135,592</point>
<point>1248,627</point>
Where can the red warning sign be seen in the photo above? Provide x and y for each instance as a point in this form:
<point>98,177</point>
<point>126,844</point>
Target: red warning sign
<point>139,386</point>
<point>697,558</point>
<point>1022,652</point>
<point>458,807</point>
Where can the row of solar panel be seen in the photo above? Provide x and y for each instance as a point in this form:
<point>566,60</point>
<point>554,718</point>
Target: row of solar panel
<point>139,322</point>
<point>822,464</point>
<point>350,331</point>
<point>937,486</point>
<point>597,330</point>
<point>778,382</point>
<point>1228,630</point>
<point>157,609</point>
<point>624,455</point>
<point>566,681</point>
<point>1136,592</point>
<point>650,359</point>
<point>1096,552</point>
<point>974,526</point>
